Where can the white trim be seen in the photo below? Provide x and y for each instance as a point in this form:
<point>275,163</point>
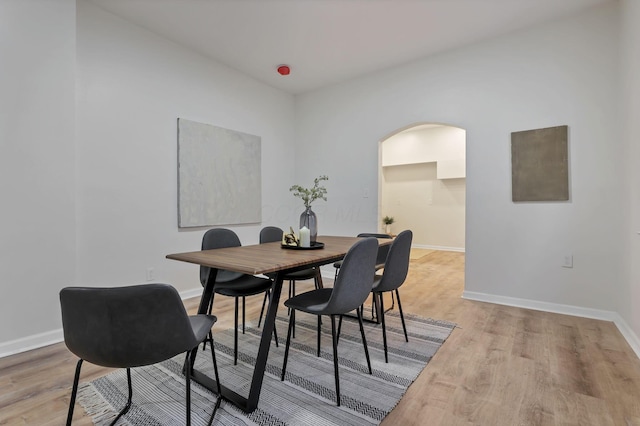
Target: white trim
<point>443,248</point>
<point>628,334</point>
<point>28,343</point>
<point>188,294</point>
<point>626,331</point>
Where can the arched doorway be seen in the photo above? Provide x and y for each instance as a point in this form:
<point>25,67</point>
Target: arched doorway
<point>422,184</point>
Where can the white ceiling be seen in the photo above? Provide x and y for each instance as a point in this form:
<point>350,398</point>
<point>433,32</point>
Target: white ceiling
<point>328,41</point>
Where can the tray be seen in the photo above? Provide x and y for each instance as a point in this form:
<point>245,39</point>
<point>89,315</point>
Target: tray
<point>314,246</point>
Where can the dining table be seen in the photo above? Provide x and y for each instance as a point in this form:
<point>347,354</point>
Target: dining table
<point>260,259</point>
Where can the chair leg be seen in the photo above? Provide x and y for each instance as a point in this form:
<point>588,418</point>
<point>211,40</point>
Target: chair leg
<point>404,327</point>
<point>74,391</point>
<point>187,375</point>
<point>126,407</point>
<point>243,313</point>
<point>339,327</point>
<point>335,357</point>
<point>364,341</point>
<point>384,328</point>
<point>292,293</point>
<point>286,348</point>
<point>319,334</point>
<point>374,307</point>
<point>235,335</point>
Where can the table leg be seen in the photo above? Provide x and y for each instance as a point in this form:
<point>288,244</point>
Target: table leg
<point>207,292</point>
<point>265,342</point>
<point>246,404</point>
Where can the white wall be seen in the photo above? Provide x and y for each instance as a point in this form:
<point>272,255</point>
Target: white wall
<point>37,165</point>
<point>110,189</point>
<point>560,73</point>
<point>423,145</point>
<point>434,209</point>
<point>416,189</point>
<point>132,86</point>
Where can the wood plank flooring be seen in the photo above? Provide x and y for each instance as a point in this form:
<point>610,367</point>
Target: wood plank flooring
<point>501,366</point>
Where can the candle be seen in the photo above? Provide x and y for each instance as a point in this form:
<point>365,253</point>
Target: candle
<point>305,237</point>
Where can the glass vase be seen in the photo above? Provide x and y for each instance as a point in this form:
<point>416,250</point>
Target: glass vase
<point>308,218</point>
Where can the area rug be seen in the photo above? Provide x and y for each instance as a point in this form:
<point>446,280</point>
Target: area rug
<point>306,397</point>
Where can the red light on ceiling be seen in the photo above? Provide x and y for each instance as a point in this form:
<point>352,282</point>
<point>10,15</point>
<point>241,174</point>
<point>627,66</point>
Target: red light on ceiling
<point>284,70</point>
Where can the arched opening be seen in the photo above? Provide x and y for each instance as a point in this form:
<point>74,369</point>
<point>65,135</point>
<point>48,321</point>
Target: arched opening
<point>422,184</point>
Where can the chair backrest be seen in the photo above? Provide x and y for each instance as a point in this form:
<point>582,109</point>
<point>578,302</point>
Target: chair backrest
<point>124,327</point>
<point>270,234</point>
<point>382,250</point>
<point>353,284</point>
<point>219,238</point>
<point>396,265</point>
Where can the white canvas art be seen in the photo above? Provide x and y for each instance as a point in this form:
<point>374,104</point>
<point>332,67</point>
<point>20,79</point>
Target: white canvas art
<point>219,176</point>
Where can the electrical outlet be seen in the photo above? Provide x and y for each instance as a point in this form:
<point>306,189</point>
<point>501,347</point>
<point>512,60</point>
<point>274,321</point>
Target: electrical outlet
<point>567,261</point>
<point>150,274</point>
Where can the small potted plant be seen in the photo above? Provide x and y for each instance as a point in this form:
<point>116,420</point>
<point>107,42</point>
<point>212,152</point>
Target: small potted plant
<point>387,220</point>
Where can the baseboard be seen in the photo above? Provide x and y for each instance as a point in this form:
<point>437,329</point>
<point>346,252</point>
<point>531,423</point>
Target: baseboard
<point>621,324</point>
<point>443,248</point>
<point>628,334</point>
<point>28,343</point>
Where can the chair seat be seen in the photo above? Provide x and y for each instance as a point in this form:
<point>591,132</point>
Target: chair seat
<point>305,274</point>
<point>376,282</point>
<point>338,264</point>
<point>201,325</point>
<point>247,285</point>
<point>312,302</point>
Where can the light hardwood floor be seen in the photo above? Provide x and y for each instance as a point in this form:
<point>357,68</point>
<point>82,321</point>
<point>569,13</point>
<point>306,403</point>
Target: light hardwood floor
<point>501,366</point>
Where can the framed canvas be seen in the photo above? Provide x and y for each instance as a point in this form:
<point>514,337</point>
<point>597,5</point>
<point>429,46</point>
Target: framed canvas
<point>540,164</point>
<point>219,176</point>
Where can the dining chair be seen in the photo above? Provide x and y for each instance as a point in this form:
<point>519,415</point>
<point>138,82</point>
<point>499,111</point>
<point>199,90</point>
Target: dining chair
<point>382,252</point>
<point>396,268</point>
<point>270,234</point>
<point>349,292</point>
<point>133,326</point>
<point>232,284</point>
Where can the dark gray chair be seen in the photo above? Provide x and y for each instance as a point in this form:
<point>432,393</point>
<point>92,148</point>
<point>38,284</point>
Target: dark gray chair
<point>382,252</point>
<point>232,284</point>
<point>348,293</point>
<point>126,327</point>
<point>271,234</point>
<point>393,276</point>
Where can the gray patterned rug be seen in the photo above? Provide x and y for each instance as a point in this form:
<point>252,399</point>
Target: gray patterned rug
<point>306,397</point>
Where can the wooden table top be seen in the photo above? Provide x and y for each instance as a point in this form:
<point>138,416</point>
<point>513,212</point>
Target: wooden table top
<point>270,257</point>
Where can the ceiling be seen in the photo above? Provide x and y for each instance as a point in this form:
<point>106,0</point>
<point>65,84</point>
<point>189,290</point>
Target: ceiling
<point>328,41</point>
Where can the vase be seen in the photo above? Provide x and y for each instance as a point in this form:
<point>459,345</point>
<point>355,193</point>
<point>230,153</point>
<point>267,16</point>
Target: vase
<point>387,229</point>
<point>308,218</point>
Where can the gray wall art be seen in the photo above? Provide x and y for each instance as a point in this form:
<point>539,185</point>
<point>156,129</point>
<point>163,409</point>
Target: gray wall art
<point>540,164</point>
<point>219,176</point>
